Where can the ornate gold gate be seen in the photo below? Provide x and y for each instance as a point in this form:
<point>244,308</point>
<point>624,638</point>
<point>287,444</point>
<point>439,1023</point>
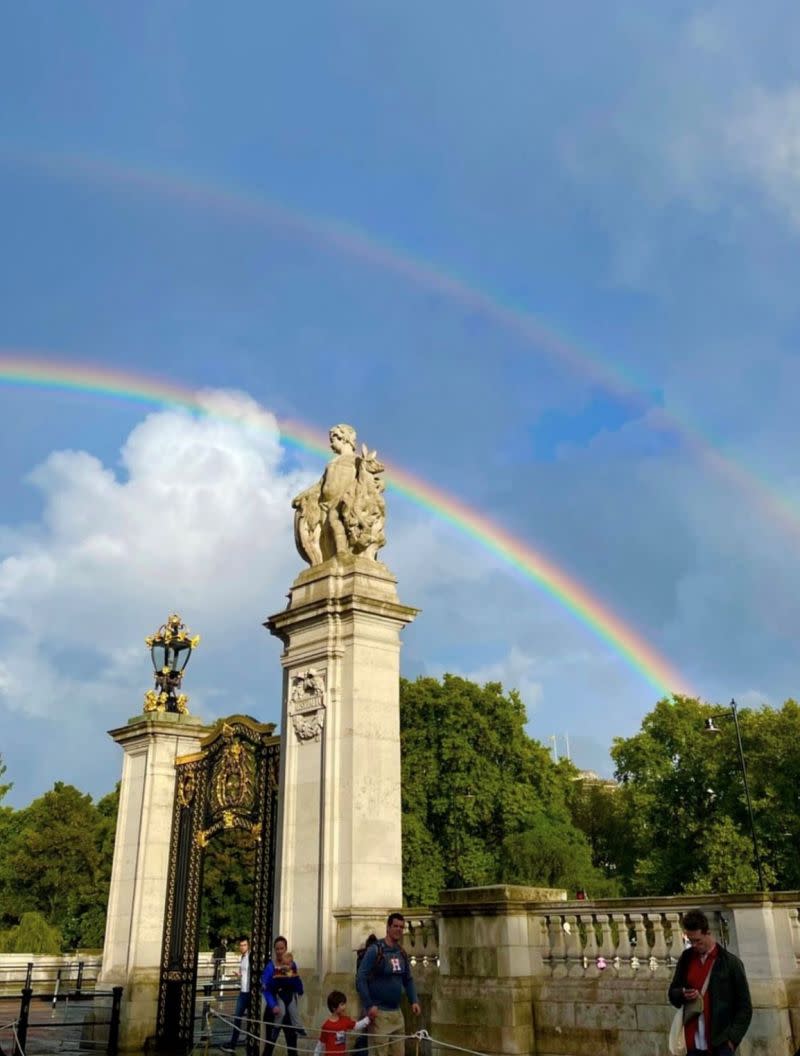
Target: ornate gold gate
<point>231,783</point>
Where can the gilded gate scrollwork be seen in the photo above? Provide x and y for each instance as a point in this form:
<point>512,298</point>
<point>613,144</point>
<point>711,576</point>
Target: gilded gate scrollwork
<point>232,782</point>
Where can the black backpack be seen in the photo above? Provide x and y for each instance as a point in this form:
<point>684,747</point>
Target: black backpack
<point>379,957</point>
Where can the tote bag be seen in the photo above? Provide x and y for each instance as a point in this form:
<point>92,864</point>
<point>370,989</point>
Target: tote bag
<point>677,1035</point>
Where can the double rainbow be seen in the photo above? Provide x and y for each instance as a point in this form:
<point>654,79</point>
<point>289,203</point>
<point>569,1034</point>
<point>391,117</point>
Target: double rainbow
<point>245,207</point>
<point>22,369</point>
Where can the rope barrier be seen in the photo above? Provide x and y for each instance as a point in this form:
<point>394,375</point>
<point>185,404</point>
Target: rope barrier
<point>311,1033</point>
<point>308,1043</point>
<point>418,1036</point>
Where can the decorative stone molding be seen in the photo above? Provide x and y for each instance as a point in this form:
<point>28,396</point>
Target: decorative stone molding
<point>307,704</point>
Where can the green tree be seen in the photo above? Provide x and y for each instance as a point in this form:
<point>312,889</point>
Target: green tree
<point>226,907</point>
<point>552,852</point>
<point>683,805</point>
<point>56,861</point>
<point>4,788</point>
<point>6,816</point>
<point>91,923</point>
<point>596,808</point>
<point>472,778</point>
<point>32,935</point>
<point>727,861</point>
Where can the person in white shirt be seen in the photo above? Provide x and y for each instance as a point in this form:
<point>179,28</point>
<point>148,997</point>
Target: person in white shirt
<point>243,1000</point>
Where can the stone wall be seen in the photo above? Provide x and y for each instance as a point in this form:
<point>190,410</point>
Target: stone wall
<point>520,970</point>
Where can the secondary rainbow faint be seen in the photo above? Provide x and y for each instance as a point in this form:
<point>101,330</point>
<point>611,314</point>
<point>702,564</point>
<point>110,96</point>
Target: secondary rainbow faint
<point>23,369</point>
<point>256,208</point>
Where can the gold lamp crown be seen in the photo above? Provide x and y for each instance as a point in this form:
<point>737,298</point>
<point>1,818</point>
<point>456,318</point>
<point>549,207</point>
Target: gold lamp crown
<point>170,648</point>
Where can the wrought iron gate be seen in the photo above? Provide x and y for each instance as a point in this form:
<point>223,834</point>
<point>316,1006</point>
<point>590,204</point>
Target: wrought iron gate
<point>231,783</point>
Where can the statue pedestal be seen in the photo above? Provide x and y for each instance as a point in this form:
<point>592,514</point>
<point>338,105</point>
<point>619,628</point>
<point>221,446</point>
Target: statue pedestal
<point>339,832</point>
<point>136,904</point>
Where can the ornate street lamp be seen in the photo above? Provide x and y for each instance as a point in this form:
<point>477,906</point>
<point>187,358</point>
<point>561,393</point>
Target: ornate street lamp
<point>170,649</point>
<point>712,729</point>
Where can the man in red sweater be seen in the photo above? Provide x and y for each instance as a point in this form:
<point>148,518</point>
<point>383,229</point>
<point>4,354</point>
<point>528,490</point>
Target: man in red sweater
<point>709,972</point>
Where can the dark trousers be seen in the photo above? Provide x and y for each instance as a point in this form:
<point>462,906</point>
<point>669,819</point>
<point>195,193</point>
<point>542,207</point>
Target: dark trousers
<point>362,1042</point>
<point>274,1027</point>
<point>242,1006</point>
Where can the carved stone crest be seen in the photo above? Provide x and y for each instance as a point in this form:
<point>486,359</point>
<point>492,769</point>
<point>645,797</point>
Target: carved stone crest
<point>307,705</point>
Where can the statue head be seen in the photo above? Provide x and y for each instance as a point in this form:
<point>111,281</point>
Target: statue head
<point>344,434</point>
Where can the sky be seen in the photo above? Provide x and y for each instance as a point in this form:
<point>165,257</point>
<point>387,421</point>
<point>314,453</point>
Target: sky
<point>543,257</point>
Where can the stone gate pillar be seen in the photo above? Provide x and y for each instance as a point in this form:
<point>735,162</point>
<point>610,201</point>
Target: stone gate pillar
<point>136,904</point>
<point>339,843</point>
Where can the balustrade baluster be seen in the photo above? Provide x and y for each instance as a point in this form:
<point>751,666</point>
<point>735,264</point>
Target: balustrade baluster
<point>574,945</point>
<point>658,951</point>
<point>590,945</point>
<point>607,949</point>
<point>641,953</point>
<point>557,944</point>
<point>794,925</point>
<point>623,954</point>
<point>672,922</point>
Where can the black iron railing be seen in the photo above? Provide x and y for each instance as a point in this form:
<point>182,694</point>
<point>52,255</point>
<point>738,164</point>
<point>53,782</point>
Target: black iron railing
<point>58,1008</point>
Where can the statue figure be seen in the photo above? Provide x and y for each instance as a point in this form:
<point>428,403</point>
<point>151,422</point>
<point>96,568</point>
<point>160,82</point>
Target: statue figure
<point>344,512</point>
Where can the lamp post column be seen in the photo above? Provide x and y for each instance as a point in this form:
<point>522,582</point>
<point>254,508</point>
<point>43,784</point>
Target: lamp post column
<point>759,868</point>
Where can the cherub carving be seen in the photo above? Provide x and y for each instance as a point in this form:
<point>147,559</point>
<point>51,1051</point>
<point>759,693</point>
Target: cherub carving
<point>344,512</point>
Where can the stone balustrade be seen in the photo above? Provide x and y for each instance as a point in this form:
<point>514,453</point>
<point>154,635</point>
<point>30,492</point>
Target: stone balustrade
<point>421,939</point>
<point>71,970</point>
<point>586,939</point>
<point>523,970</point>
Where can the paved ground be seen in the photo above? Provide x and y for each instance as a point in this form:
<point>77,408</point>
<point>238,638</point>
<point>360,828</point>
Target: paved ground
<point>81,1026</point>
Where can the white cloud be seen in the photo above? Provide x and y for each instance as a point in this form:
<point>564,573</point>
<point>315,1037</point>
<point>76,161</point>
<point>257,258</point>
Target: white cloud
<point>198,520</point>
<point>763,140</point>
<point>517,670</point>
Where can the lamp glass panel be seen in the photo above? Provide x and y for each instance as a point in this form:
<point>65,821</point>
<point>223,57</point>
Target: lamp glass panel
<point>158,654</point>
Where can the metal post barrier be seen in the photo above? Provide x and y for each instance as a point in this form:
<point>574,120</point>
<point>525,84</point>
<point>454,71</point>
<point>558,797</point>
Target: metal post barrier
<point>56,988</point>
<point>21,1036</point>
<point>113,1028</point>
<point>205,1027</point>
<point>29,975</point>
<point>79,980</point>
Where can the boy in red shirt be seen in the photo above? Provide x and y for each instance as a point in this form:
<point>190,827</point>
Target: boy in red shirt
<point>333,1032</point>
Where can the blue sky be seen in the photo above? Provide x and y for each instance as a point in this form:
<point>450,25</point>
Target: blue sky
<point>627,176</point>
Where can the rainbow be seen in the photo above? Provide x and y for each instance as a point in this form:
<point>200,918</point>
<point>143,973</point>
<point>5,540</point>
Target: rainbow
<point>21,369</point>
<point>242,206</point>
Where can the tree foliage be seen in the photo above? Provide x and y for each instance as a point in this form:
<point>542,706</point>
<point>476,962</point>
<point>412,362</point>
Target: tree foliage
<point>4,788</point>
<point>32,935</point>
<point>226,905</point>
<point>482,803</point>
<point>55,860</point>
<point>682,805</point>
<point>471,780</point>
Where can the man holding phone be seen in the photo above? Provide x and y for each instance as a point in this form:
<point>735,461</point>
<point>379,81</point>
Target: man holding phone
<point>710,983</point>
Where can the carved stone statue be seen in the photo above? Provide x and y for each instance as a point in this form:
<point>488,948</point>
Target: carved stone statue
<point>345,511</point>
